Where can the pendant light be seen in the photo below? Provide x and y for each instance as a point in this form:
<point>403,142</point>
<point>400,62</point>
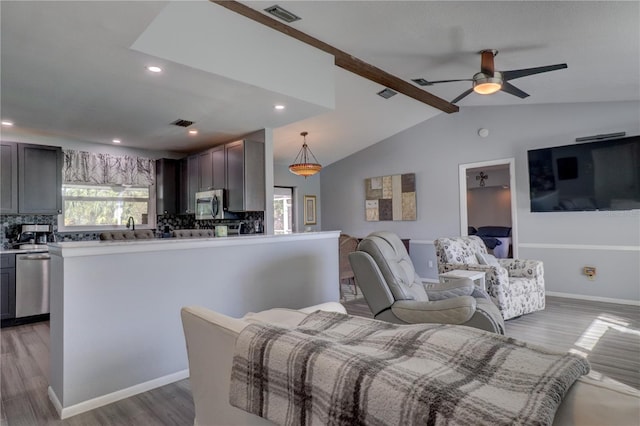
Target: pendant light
<point>302,165</point>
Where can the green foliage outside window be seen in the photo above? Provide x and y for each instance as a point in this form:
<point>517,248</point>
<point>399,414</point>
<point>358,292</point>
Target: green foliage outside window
<point>86,205</point>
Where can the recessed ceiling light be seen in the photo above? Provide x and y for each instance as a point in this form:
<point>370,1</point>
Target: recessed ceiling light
<point>279,107</point>
<point>117,141</point>
<point>193,132</point>
<point>154,69</point>
<point>7,123</point>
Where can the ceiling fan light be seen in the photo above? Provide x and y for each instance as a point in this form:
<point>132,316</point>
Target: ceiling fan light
<point>485,85</point>
<point>486,88</point>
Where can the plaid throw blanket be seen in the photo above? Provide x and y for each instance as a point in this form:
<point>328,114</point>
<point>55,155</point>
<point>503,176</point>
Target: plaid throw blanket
<point>334,369</point>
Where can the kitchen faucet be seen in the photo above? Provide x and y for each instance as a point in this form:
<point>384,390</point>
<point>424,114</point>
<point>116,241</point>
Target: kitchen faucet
<point>131,222</point>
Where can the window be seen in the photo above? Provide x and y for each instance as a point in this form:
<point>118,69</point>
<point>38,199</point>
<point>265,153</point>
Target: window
<point>106,207</point>
<point>282,210</point>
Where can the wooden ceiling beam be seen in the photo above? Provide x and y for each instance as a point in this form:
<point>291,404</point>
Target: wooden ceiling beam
<point>343,59</point>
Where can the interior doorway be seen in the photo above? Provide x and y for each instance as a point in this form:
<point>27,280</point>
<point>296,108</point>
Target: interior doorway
<point>488,200</point>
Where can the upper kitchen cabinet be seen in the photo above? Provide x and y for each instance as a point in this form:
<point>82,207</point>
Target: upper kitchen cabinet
<point>189,183</point>
<point>167,174</point>
<point>245,175</point>
<point>39,179</point>
<point>9,176</point>
<point>218,161</point>
<point>211,165</point>
<point>205,171</point>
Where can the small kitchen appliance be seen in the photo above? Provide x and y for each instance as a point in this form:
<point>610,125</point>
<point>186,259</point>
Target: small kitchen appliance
<point>35,234</point>
<point>210,204</point>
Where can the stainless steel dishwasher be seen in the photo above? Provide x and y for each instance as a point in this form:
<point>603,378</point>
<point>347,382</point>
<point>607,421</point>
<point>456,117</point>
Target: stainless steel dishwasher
<point>32,284</point>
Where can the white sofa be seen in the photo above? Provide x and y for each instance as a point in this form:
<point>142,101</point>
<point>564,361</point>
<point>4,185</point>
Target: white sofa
<point>211,336</point>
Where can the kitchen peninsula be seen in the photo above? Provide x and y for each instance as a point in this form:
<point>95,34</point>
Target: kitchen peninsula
<point>115,305</point>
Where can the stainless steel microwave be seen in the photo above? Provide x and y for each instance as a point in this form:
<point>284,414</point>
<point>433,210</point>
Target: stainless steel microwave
<point>210,204</point>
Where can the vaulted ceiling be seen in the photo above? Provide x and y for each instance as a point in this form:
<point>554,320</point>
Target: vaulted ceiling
<point>77,69</point>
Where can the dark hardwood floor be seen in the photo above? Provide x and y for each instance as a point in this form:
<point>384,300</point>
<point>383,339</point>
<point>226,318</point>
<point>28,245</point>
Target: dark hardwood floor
<point>609,334</point>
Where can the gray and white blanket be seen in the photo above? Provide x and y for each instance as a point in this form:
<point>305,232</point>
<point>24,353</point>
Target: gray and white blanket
<point>334,369</point>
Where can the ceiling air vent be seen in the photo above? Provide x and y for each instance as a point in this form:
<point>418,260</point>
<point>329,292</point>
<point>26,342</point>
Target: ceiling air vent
<point>280,13</point>
<point>387,93</point>
<point>422,82</point>
<point>182,123</point>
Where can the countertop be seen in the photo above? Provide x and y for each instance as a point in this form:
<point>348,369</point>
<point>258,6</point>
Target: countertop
<point>37,248</point>
<point>97,247</point>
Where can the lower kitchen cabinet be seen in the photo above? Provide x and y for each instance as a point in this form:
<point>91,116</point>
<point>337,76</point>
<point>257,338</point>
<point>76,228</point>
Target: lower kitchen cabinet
<point>8,287</point>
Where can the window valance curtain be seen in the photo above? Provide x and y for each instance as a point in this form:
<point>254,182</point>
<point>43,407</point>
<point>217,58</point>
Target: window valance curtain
<point>92,168</point>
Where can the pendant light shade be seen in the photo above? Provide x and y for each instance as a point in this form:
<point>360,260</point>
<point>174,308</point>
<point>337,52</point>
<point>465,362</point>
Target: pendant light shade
<point>305,163</point>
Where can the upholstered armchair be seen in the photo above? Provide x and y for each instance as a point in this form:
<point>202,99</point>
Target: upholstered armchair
<point>395,293</point>
<point>516,286</point>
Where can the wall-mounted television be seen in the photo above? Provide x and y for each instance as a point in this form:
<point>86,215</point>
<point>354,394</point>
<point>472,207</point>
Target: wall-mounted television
<point>599,175</point>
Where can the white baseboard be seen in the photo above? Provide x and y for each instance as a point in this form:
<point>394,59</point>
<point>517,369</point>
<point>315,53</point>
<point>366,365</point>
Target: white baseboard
<point>84,406</point>
<point>594,298</point>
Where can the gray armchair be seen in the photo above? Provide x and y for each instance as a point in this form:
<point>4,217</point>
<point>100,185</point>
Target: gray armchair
<point>394,292</point>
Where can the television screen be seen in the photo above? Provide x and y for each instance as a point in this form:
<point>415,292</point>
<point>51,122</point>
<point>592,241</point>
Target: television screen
<point>600,175</point>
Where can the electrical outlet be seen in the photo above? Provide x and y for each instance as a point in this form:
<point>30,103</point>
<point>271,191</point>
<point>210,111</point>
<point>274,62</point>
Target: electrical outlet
<point>431,264</point>
<point>589,271</point>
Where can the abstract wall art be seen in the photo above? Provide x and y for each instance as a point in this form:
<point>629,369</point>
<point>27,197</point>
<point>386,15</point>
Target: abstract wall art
<point>390,197</point>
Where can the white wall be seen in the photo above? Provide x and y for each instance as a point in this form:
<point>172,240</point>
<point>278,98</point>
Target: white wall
<point>115,307</point>
<point>433,150</point>
<point>68,143</point>
<point>489,206</point>
<point>309,186</point>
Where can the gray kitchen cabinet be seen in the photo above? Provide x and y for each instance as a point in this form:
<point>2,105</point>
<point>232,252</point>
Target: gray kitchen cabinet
<point>167,186</point>
<point>189,183</point>
<point>8,286</point>
<point>212,168</point>
<point>39,179</point>
<point>205,170</point>
<point>9,177</point>
<point>219,163</point>
<point>245,175</point>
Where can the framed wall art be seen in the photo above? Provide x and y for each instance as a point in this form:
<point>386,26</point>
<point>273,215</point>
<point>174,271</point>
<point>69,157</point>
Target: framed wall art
<point>310,210</point>
<point>390,197</point>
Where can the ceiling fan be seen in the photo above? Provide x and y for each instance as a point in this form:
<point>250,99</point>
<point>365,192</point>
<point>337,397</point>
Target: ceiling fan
<point>489,81</point>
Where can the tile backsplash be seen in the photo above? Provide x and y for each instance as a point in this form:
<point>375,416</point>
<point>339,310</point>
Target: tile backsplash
<point>11,225</point>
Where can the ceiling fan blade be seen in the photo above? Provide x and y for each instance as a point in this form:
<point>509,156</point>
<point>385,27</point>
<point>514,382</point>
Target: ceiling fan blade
<point>464,94</point>
<point>512,90</point>
<point>423,82</point>
<point>513,74</point>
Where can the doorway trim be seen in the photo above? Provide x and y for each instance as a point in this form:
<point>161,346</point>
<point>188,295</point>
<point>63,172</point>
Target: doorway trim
<point>464,220</point>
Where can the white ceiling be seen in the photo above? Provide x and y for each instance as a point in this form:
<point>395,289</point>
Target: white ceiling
<point>69,69</point>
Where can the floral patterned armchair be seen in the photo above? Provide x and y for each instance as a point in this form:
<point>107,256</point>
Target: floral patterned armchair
<point>516,286</point>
